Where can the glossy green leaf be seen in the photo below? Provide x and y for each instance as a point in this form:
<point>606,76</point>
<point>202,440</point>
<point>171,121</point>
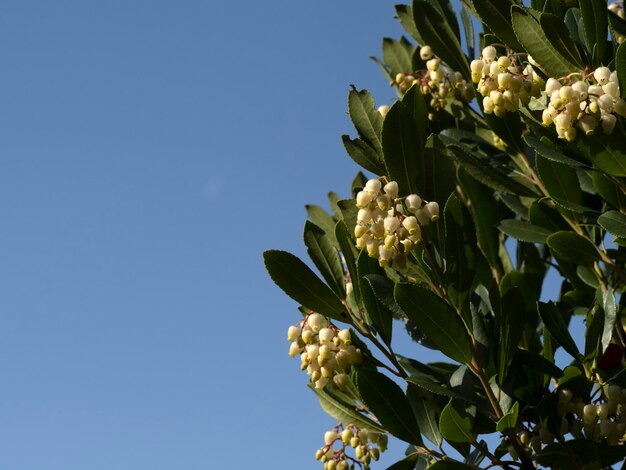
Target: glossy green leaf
<point>484,170</point>
<point>343,411</point>
<point>620,67</point>
<point>497,15</point>
<point>484,210</point>
<point>364,155</point>
<point>610,316</point>
<point>322,219</point>
<point>448,465</point>
<point>557,33</point>
<point>460,256</point>
<point>541,43</point>
<point>547,150</point>
<point>436,319</point>
<point>573,248</point>
<point>349,252</point>
<point>405,15</point>
<point>407,463</point>
<point>397,55</point>
<point>524,231</point>
<point>613,222</point>
<point>468,30</point>
<point>431,24</point>
<point>301,284</point>
<point>606,152</point>
<point>387,401</point>
<point>554,322</point>
<point>404,137</point>
<point>366,119</point>
<point>325,257</point>
<point>512,321</point>
<point>509,420</point>
<point>437,173</point>
<point>455,424</point>
<point>560,180</point>
<point>424,410</point>
<point>608,189</point>
<point>379,314</point>
<point>595,19</point>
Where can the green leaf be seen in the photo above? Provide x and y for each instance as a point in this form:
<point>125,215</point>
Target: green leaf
<point>364,155</point>
<point>424,410</point>
<point>484,210</point>
<point>620,66</point>
<point>459,253</point>
<point>397,55</point>
<point>608,189</point>
<point>437,173</point>
<point>322,219</point>
<point>613,222</point>
<point>558,34</point>
<point>301,284</point>
<point>546,150</point>
<point>379,315</point>
<point>407,463</point>
<point>366,119</point>
<point>405,15</point>
<point>606,152</point>
<point>348,250</point>
<point>497,15</point>
<point>404,138</point>
<point>560,180</point>
<point>610,316</point>
<point>342,411</point>
<point>455,424</point>
<point>468,30</point>
<point>539,363</point>
<point>436,319</point>
<point>524,231</point>
<point>512,320</point>
<point>554,322</point>
<point>542,44</point>
<point>573,248</point>
<point>484,170</point>
<point>448,465</point>
<point>595,18</point>
<point>432,25</point>
<point>325,257</point>
<point>384,398</point>
<point>509,420</point>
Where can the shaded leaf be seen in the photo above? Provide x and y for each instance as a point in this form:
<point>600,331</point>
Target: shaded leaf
<point>524,231</point>
<point>595,19</point>
<point>387,401</point>
<point>497,15</point>
<point>559,179</point>
<point>544,148</point>
<point>363,154</point>
<point>301,284</point>
<point>324,256</point>
<point>573,248</point>
<point>380,315</point>
<point>344,412</point>
<point>613,222</point>
<point>424,410</point>
<point>455,424</point>
<point>554,322</point>
<point>509,420</point>
<point>397,55</point>
<point>366,119</point>
<point>437,319</point>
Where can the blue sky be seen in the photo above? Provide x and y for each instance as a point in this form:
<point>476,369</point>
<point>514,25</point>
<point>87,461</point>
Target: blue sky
<point>151,151</point>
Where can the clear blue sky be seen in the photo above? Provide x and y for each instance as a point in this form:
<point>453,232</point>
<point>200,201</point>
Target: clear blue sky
<point>151,150</point>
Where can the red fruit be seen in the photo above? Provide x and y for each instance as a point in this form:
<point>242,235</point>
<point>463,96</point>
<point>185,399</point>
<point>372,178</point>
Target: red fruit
<point>612,357</point>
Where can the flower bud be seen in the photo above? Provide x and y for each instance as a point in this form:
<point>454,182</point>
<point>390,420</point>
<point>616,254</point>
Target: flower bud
<point>391,224</point>
<point>602,74</point>
<point>330,437</point>
<point>413,202</point>
<point>565,395</point>
<point>589,413</point>
<point>326,335</point>
<point>346,435</point>
<point>489,53</point>
<point>373,185</point>
<point>432,208</point>
<point>383,110</point>
<point>603,411</point>
<point>426,53</point>
<point>293,333</point>
<point>294,349</point>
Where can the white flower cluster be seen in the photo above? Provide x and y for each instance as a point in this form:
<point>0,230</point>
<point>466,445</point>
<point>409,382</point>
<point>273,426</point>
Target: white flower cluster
<point>327,353</point>
<point>388,227</point>
<point>438,85</point>
<point>599,421</point>
<point>503,82</point>
<point>367,446</point>
<point>618,9</point>
<point>586,104</point>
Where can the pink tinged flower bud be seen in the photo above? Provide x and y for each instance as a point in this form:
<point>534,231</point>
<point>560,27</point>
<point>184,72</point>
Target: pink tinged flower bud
<point>383,110</point>
<point>426,53</point>
<point>602,75</point>
<point>489,53</point>
<point>391,189</point>
<point>608,123</point>
<point>293,333</point>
